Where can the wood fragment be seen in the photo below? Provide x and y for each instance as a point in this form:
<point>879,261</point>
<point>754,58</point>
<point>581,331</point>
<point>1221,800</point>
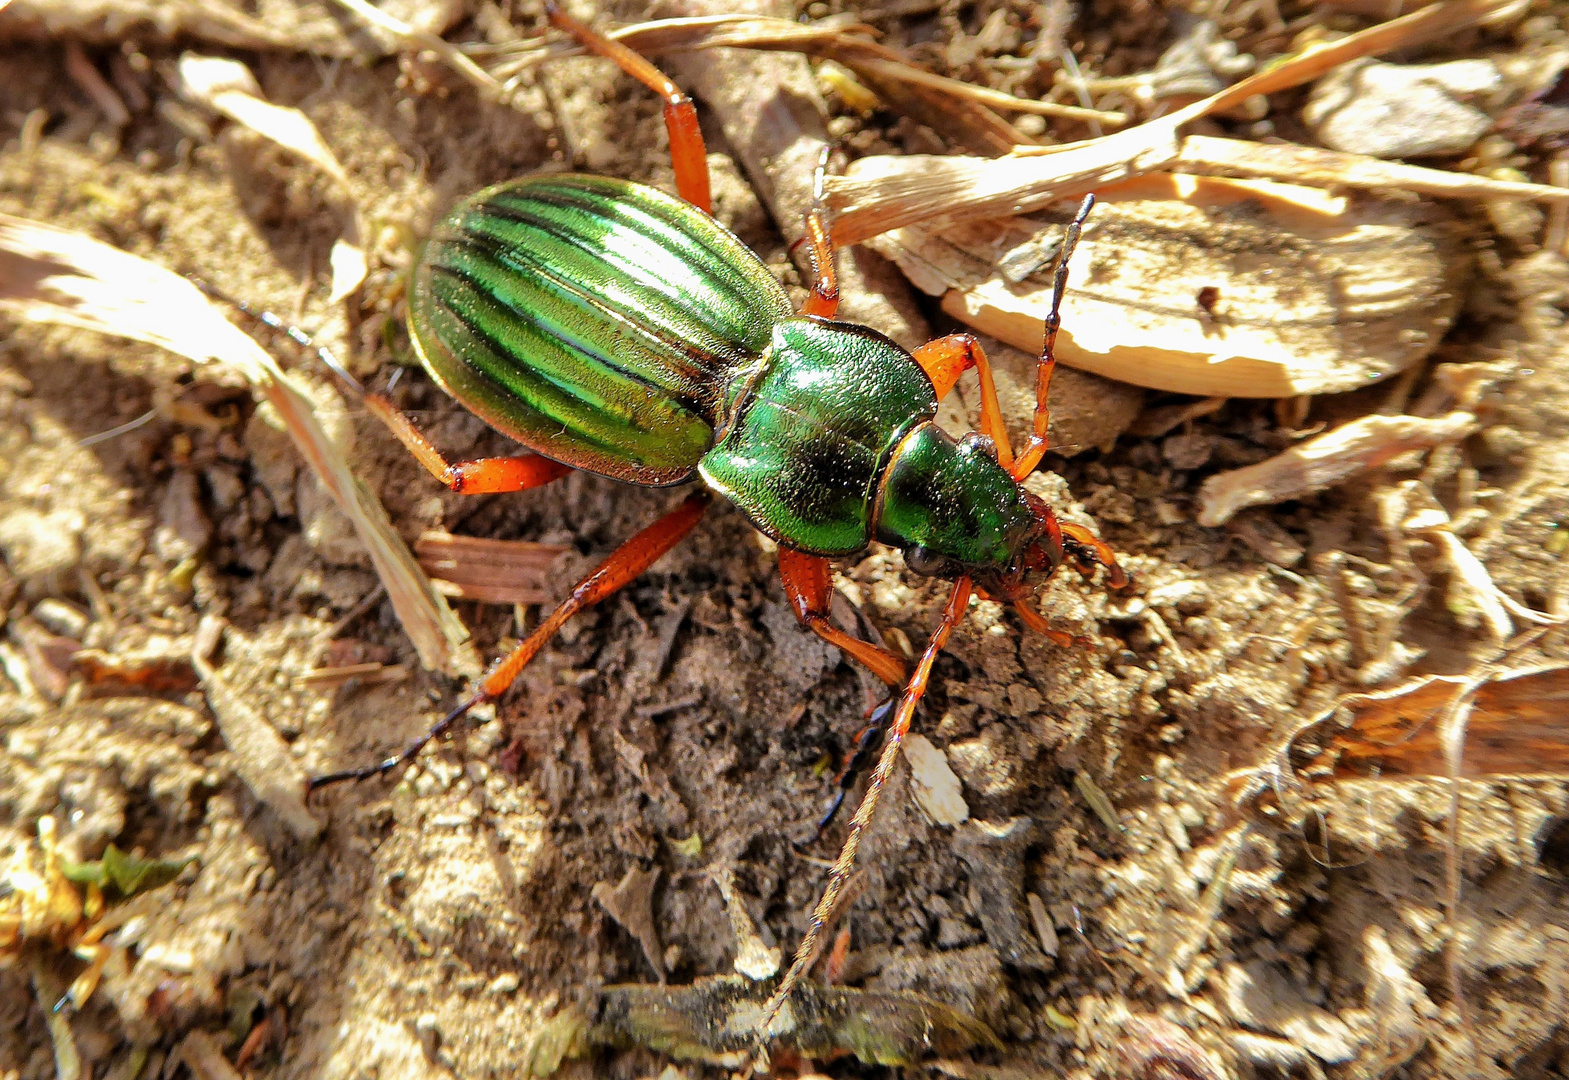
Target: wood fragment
<point>491,571</point>
<point>1327,460</point>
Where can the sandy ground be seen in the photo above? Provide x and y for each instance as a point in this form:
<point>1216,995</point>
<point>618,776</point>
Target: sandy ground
<point>689,726</point>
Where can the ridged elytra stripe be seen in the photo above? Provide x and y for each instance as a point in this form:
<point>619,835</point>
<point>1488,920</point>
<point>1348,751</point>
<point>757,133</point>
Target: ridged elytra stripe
<point>641,274</point>
<point>596,420</point>
<point>715,250</point>
<point>594,320</point>
<point>539,277</point>
<point>594,337</point>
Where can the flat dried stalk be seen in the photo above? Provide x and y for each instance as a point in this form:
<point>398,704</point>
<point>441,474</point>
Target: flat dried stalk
<point>1329,459</point>
<point>491,571</point>
<point>881,193</point>
<point>1332,168</point>
<point>53,275</point>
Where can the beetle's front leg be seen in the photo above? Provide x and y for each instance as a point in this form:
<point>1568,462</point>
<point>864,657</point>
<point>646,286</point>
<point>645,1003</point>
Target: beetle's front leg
<point>688,155</point>
<point>944,360</point>
<point>480,476</point>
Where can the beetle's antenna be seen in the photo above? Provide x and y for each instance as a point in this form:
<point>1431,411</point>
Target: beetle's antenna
<point>283,326</point>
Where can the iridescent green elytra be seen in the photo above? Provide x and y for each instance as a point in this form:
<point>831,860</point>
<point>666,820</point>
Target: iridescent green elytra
<point>614,328</point>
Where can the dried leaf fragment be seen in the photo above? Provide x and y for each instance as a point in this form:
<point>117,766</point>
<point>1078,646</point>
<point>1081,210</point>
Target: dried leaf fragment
<point>1326,460</point>
<point>1306,293</point>
<point>631,904</point>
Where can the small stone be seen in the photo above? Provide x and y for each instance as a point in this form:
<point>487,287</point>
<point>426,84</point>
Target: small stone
<point>934,786</point>
<point>184,528</point>
<point>1259,995</point>
<point>994,853</point>
<point>1401,110</point>
<point>984,765</point>
<point>64,619</point>
<point>36,545</point>
<point>504,983</point>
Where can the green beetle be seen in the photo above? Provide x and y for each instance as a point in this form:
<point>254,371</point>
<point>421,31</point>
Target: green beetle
<point>610,327</point>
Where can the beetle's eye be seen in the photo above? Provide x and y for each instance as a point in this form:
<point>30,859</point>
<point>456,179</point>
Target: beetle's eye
<point>976,442</point>
<point>923,560</point>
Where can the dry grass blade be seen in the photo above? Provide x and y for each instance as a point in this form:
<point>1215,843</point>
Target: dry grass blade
<point>56,276</point>
<point>959,110</point>
<point>228,87</point>
<point>882,193</point>
<point>1332,168</point>
<point>1329,459</point>
<point>450,54</point>
<point>491,571</point>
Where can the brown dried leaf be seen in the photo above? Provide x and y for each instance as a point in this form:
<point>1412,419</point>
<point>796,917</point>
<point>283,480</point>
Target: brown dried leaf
<point>57,276</point>
<point>1518,725</point>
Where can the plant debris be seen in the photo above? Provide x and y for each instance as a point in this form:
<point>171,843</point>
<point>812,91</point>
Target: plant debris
<point>716,1020</point>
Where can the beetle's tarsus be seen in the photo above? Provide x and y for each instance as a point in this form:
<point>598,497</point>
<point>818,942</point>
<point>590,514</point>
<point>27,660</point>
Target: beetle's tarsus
<point>410,752</point>
<point>867,744</point>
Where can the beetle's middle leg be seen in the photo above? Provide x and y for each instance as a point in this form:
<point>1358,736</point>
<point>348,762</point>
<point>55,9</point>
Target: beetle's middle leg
<point>806,952</point>
<point>480,476</point>
<point>688,155</point>
<point>809,587</point>
<point>624,564</point>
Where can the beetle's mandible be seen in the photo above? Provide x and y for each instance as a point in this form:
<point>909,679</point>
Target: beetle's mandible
<point>609,327</point>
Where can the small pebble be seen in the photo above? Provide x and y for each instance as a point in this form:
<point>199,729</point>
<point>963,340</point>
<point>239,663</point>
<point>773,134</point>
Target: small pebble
<point>64,619</point>
<point>36,544</point>
<point>1401,110</point>
<point>504,983</point>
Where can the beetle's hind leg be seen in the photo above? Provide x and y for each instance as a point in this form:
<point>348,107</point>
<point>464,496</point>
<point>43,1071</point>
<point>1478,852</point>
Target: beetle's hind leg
<point>624,564</point>
<point>480,476</point>
<point>688,155</point>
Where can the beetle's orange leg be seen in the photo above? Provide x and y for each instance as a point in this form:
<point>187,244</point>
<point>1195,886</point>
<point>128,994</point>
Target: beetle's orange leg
<point>687,153</point>
<point>1087,551</point>
<point>624,564</point>
<point>806,952</point>
<point>944,360</point>
<point>824,300</point>
<point>809,585</point>
<point>481,476</point>
<point>1036,447</point>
